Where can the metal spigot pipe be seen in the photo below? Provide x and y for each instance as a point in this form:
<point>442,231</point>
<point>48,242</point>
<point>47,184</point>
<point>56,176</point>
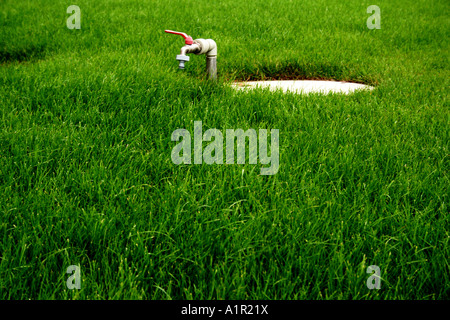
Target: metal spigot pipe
<point>211,67</point>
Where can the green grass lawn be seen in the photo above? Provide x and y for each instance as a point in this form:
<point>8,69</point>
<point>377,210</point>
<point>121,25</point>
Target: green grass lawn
<point>86,176</point>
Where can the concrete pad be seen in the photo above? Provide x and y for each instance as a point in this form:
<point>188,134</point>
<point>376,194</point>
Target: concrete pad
<point>303,86</point>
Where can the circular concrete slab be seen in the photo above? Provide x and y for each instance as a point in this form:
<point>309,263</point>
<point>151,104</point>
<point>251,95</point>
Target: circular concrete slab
<point>303,86</point>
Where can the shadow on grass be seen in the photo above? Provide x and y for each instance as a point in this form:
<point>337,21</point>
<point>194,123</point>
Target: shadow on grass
<point>22,54</point>
<point>295,71</point>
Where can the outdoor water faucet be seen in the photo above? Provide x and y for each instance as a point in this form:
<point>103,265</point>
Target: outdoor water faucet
<point>198,46</point>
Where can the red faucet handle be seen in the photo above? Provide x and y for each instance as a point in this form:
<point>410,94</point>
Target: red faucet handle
<point>187,39</point>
